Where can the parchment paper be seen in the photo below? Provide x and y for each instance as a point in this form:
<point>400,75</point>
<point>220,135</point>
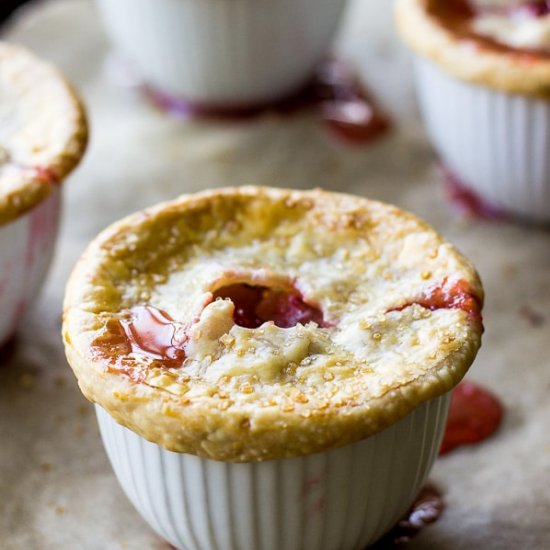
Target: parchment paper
<point>57,490</point>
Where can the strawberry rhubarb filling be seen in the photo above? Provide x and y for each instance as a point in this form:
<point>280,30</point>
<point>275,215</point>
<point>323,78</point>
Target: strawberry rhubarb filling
<point>147,336</point>
<point>152,334</point>
<point>256,305</point>
<point>498,24</point>
<point>456,295</point>
<point>518,24</point>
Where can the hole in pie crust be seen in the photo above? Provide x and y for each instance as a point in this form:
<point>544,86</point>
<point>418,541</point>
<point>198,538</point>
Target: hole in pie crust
<point>255,305</point>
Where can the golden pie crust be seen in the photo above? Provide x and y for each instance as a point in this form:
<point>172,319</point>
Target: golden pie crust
<point>250,394</point>
<point>468,57</point>
<point>43,130</point>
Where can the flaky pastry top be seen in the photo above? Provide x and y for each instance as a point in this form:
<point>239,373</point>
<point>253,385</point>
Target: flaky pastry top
<point>43,130</point>
<point>252,323</point>
<point>505,53</point>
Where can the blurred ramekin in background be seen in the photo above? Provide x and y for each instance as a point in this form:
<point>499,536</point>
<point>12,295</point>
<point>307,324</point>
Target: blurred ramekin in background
<point>485,105</point>
<point>43,135</point>
<point>223,53</point>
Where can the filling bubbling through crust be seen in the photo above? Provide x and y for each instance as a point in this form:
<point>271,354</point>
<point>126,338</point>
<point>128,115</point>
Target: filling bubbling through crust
<point>147,335</point>
<point>150,333</point>
<point>445,296</point>
<point>255,305</point>
<point>515,24</point>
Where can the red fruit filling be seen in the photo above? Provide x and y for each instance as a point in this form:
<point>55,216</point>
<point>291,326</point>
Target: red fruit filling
<point>475,414</point>
<point>254,305</point>
<point>150,333</point>
<point>45,175</point>
<point>455,296</point>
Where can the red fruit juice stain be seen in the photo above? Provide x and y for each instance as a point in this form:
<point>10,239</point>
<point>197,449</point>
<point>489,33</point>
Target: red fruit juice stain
<point>255,305</point>
<point>45,175</point>
<point>346,107</point>
<point>456,295</point>
<point>427,509</point>
<point>335,93</point>
<point>475,414</point>
<point>149,332</point>
<point>467,202</point>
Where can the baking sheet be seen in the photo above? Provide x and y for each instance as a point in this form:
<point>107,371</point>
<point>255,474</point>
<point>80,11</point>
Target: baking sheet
<point>57,490</point>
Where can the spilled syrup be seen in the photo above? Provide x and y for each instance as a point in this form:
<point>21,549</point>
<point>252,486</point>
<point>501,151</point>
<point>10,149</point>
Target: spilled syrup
<point>254,305</point>
<point>475,414</point>
<point>467,201</point>
<point>427,509</point>
<point>335,93</point>
<point>345,106</point>
<point>443,296</point>
<point>149,333</point>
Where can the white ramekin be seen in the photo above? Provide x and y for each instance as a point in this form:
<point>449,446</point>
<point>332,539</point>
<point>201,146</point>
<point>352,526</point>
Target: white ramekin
<point>223,53</point>
<point>342,499</point>
<point>498,144</point>
<point>26,249</point>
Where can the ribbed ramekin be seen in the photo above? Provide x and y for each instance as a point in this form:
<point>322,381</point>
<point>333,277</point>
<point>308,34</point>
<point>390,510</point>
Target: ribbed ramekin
<point>498,144</point>
<point>223,53</point>
<point>26,249</point>
<point>342,499</point>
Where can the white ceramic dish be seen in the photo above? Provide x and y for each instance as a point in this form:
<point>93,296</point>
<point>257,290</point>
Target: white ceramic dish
<point>26,249</point>
<point>341,499</point>
<point>223,53</point>
<point>498,144</point>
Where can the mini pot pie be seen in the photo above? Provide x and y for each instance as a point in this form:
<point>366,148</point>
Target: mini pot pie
<point>251,338</point>
<point>483,79</point>
<point>43,135</point>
